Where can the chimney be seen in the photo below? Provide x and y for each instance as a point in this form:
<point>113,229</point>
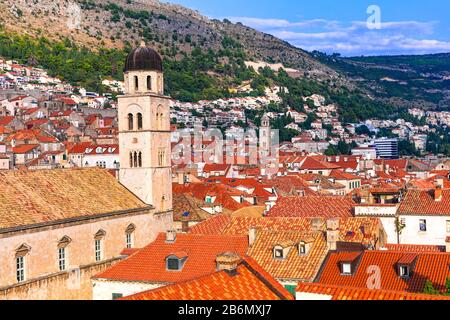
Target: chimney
<point>447,245</point>
<point>180,176</point>
<point>227,261</point>
<point>185,226</point>
<point>332,233</point>
<point>252,233</point>
<point>171,235</point>
<point>316,224</point>
<point>438,194</point>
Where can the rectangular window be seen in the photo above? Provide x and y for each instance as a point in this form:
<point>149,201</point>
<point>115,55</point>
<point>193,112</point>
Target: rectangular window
<point>62,259</point>
<point>20,269</point>
<point>278,253</point>
<point>346,268</point>
<point>404,271</point>
<point>423,225</point>
<point>129,241</point>
<point>173,264</point>
<point>98,250</point>
<point>448,226</point>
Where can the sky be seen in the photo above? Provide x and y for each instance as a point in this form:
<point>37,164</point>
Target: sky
<point>348,27</point>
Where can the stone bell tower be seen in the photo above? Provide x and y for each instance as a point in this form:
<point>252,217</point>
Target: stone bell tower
<point>144,130</point>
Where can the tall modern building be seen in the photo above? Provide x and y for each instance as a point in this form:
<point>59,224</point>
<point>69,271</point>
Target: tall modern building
<point>387,148</point>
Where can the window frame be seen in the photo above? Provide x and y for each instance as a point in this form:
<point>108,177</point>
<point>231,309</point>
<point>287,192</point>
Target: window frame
<point>173,259</point>
<point>20,269</point>
<point>423,225</point>
<point>404,271</point>
<point>346,268</point>
<point>62,259</point>
<point>98,249</point>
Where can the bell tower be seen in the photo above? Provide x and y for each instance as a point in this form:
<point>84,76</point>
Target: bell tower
<point>144,130</point>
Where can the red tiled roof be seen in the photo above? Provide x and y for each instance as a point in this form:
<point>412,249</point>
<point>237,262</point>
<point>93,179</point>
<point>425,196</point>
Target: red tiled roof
<point>313,207</point>
<point>361,230</point>
<point>414,248</point>
<point>426,266</point>
<point>149,264</point>
<point>25,148</point>
<point>422,202</point>
<point>213,167</point>
<point>352,293</point>
<point>342,175</point>
<point>4,121</point>
<point>393,164</point>
<point>57,114</point>
<point>249,282</point>
<point>312,164</point>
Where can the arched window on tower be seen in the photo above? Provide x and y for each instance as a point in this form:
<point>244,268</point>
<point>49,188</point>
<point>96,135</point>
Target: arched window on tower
<point>149,83</point>
<point>140,160</point>
<point>130,121</point>
<point>161,121</point>
<point>139,121</point>
<point>131,159</point>
<point>136,83</point>
<point>135,160</point>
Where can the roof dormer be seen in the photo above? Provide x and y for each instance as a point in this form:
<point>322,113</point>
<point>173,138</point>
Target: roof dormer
<point>282,249</point>
<point>176,261</point>
<point>405,265</point>
<point>304,246</point>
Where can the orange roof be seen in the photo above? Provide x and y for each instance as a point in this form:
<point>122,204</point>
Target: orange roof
<point>313,207</point>
<point>342,175</point>
<point>361,230</point>
<point>424,266</point>
<point>249,282</point>
<point>294,266</point>
<point>393,164</point>
<point>422,202</point>
<point>352,293</point>
<point>149,264</point>
<point>414,248</point>
<point>25,148</point>
<point>312,164</point>
<point>4,121</point>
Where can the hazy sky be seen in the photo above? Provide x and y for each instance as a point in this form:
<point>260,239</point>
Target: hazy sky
<point>406,27</point>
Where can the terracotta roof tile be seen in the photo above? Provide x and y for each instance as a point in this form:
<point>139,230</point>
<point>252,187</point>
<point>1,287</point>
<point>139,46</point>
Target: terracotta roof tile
<point>427,266</point>
<point>352,293</point>
<point>313,207</point>
<point>249,282</point>
<point>422,202</point>
<point>149,263</point>
<point>32,197</point>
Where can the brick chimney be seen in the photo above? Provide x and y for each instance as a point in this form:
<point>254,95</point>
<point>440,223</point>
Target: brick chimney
<point>332,233</point>
<point>227,261</point>
<point>171,235</point>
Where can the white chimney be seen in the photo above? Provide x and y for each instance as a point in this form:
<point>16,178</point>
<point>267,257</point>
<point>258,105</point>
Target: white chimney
<point>171,235</point>
<point>252,233</point>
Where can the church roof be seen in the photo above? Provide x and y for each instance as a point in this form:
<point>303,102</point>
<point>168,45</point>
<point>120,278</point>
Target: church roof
<point>46,196</point>
<point>143,59</point>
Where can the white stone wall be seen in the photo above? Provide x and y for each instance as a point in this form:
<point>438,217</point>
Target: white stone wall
<point>43,257</point>
<point>436,230</point>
